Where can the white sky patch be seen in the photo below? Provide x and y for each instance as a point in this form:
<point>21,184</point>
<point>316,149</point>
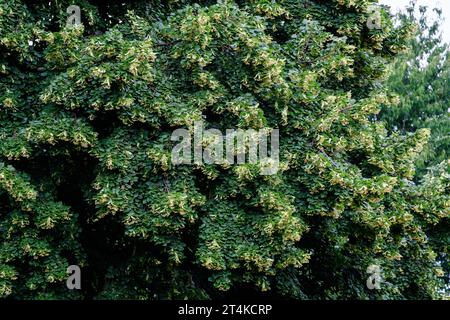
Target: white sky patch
<point>443,4</point>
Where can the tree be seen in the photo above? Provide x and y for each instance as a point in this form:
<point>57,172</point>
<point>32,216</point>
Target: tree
<point>421,78</point>
<point>87,179</point>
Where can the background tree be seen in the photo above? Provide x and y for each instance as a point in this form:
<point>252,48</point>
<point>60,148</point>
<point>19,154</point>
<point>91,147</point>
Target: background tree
<point>86,178</point>
<point>421,78</point>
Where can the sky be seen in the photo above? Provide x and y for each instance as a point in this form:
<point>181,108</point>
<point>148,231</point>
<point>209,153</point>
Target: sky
<point>444,4</point>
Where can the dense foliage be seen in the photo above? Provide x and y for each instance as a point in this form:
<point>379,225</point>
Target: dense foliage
<point>86,115</point>
<point>421,78</point>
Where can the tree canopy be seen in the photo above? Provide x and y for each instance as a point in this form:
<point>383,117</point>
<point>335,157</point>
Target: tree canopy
<point>421,78</point>
<point>86,178</point>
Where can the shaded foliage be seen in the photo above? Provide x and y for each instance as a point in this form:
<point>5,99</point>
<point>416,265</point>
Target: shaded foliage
<point>86,177</point>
